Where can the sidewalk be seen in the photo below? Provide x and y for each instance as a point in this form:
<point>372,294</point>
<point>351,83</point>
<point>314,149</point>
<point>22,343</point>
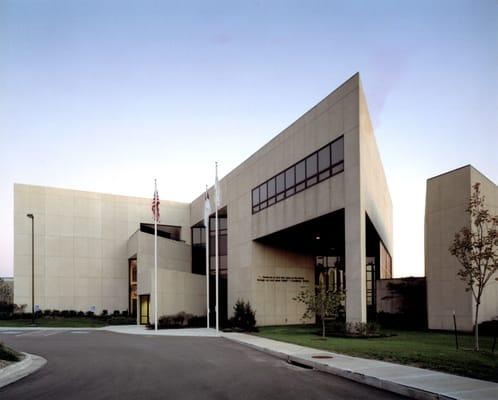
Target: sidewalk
<point>141,330</point>
<point>413,382</point>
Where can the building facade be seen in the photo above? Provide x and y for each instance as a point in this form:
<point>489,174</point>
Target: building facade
<point>447,198</point>
<point>311,205</point>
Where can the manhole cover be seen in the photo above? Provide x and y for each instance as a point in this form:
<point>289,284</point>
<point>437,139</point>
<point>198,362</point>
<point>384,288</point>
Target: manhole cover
<point>321,356</point>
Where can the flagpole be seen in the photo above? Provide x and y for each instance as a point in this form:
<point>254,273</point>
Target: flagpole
<point>207,260</point>
<point>216,247</point>
<point>155,261</point>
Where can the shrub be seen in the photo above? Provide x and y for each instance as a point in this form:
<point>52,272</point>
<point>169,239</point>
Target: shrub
<point>47,313</point>
<point>120,320</point>
<point>65,313</point>
<point>55,313</point>
<point>124,313</point>
<point>362,329</point>
<point>73,313</point>
<point>8,354</point>
<point>6,307</point>
<point>489,328</point>
<point>180,320</point>
<point>90,314</point>
<point>401,320</point>
<point>80,314</point>
<point>115,313</point>
<point>244,317</point>
<point>6,310</point>
<point>336,327</point>
<point>197,321</point>
<point>104,313</point>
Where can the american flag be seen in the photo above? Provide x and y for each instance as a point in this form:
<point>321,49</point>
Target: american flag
<point>155,206</point>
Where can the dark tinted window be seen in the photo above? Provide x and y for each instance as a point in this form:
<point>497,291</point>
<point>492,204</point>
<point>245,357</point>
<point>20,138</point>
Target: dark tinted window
<point>262,192</point>
<point>318,166</point>
<point>280,182</point>
<point>271,187</point>
<point>338,151</point>
<point>311,165</point>
<point>289,178</point>
<point>324,158</point>
<point>255,196</point>
<point>300,171</point>
<point>165,231</point>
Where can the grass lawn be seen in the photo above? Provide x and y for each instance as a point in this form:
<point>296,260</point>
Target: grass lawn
<point>54,323</point>
<point>432,350</point>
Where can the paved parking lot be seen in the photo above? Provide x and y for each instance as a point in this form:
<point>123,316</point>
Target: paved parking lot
<point>104,365</point>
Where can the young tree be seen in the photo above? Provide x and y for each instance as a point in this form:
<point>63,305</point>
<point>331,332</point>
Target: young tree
<point>476,249</point>
<point>6,294</point>
<point>322,302</point>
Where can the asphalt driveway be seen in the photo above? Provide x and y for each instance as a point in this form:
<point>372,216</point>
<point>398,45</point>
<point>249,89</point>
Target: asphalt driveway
<point>104,365</point>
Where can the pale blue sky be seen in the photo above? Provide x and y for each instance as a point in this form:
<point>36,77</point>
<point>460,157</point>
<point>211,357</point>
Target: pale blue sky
<point>105,95</point>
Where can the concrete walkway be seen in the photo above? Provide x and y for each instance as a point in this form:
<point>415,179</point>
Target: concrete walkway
<point>413,382</point>
<point>141,330</point>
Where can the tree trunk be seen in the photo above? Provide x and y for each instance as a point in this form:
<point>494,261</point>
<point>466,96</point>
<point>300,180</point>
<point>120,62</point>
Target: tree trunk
<point>323,328</point>
<point>476,328</point>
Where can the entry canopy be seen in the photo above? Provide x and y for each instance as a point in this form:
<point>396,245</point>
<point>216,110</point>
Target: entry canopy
<point>323,235</point>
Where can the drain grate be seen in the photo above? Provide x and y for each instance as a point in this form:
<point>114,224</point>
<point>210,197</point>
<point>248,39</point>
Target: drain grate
<point>322,356</point>
<point>298,364</point>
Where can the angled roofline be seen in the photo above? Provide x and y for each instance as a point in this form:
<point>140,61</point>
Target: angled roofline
<point>459,168</point>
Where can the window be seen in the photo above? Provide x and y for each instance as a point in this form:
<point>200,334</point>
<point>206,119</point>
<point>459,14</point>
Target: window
<point>199,250</point>
<point>165,231</point>
<point>280,186</point>
<point>311,169</point>
<point>280,183</point>
<point>300,172</point>
<point>318,166</point>
<point>338,151</point>
<point>324,158</point>
<point>271,191</point>
<point>300,175</point>
<point>324,163</point>
<point>255,196</point>
<point>263,196</point>
<point>290,180</point>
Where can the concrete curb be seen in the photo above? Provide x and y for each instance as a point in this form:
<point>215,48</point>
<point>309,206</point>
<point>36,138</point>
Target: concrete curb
<point>383,384</point>
<point>29,364</point>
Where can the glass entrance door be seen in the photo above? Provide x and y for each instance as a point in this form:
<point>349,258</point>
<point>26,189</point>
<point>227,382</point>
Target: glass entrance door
<point>144,309</point>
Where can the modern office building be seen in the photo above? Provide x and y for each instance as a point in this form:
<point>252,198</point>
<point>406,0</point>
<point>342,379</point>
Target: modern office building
<point>447,198</point>
<point>312,204</point>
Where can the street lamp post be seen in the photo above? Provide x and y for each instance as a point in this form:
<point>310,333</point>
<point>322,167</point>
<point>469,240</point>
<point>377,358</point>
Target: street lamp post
<point>32,267</point>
